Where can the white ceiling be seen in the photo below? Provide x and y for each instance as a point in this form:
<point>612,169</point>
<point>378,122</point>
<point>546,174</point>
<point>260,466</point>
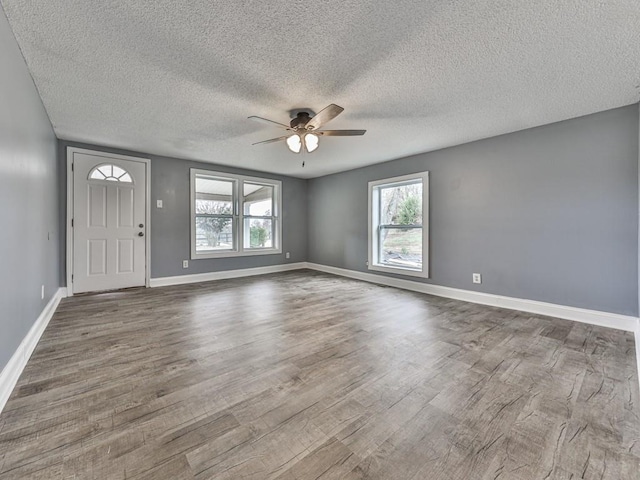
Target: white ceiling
<point>180,78</point>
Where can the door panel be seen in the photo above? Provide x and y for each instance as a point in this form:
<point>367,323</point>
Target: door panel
<point>125,207</point>
<point>109,245</point>
<point>125,255</point>
<point>97,198</point>
<point>97,264</point>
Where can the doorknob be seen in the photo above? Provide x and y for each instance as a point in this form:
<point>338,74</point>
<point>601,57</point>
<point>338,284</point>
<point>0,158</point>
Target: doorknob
<point>141,225</point>
<point>141,234</point>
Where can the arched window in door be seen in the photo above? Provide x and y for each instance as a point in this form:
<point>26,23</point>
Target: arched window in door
<point>109,172</point>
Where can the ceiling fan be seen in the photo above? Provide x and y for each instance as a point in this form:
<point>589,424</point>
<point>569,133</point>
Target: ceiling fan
<point>304,129</point>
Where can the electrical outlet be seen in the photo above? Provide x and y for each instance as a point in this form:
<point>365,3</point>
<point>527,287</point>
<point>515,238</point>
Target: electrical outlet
<point>477,278</point>
<point>42,292</point>
<point>185,263</point>
<point>287,255</point>
<point>159,203</point>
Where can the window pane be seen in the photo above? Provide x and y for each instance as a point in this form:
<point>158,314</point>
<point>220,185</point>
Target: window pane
<point>106,170</point>
<point>214,197</point>
<point>400,247</point>
<point>258,233</point>
<point>117,171</point>
<point>258,199</point>
<point>401,205</point>
<point>214,234</point>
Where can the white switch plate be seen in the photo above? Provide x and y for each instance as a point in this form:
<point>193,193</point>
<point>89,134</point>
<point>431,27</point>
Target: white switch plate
<point>185,263</point>
<point>477,278</point>
<point>287,255</point>
<point>159,203</point>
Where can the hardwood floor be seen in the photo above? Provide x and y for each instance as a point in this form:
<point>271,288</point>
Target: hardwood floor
<point>303,375</point>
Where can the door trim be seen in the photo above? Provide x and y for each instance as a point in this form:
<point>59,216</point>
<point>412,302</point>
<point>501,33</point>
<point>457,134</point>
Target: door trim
<point>97,153</point>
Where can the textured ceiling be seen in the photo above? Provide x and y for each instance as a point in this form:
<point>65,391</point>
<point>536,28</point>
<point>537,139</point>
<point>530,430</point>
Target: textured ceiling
<point>180,78</point>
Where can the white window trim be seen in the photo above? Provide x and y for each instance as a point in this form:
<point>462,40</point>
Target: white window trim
<point>238,217</point>
<point>373,220</point>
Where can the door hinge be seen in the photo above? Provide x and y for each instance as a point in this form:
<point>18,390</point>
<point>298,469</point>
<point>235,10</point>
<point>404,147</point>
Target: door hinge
<point>72,167</point>
<point>72,278</point>
<point>72,223</point>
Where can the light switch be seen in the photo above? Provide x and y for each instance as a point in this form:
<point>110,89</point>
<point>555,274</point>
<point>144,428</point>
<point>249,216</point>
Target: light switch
<point>159,203</point>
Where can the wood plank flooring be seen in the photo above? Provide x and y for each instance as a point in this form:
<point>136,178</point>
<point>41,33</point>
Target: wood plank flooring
<point>304,375</point>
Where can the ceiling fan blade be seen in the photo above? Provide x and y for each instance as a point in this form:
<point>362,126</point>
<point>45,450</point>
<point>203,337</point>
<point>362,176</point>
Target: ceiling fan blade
<point>269,122</point>
<point>340,133</point>
<point>271,140</point>
<point>323,116</point>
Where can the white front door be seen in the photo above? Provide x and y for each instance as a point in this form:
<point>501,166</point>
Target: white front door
<point>109,222</point>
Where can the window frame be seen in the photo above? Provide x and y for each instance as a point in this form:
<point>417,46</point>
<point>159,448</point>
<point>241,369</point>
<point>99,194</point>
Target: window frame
<point>374,188</point>
<point>237,215</point>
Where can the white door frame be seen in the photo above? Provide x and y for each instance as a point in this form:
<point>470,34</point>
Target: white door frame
<point>147,162</point>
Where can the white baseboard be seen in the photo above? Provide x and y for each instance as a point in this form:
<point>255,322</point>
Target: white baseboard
<point>223,275</point>
<point>593,317</point>
<point>12,371</point>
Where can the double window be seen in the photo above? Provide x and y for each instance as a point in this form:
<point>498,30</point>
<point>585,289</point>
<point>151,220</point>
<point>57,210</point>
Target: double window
<point>398,225</point>
<point>233,215</point>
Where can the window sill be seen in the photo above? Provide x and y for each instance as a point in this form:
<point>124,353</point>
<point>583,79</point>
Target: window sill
<point>399,270</point>
<point>227,254</point>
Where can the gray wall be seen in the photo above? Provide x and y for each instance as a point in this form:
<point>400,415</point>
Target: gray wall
<point>170,230</point>
<point>547,214</point>
<point>28,194</point>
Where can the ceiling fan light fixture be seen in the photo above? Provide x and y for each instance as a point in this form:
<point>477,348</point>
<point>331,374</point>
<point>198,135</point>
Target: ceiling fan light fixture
<point>311,142</point>
<point>294,142</point>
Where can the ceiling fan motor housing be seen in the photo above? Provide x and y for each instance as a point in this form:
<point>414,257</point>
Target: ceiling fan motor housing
<point>300,121</point>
